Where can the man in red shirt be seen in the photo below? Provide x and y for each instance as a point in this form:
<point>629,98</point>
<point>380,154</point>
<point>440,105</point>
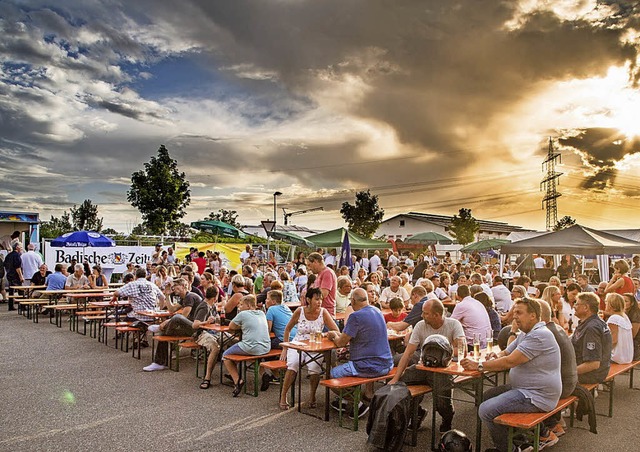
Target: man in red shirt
<point>326,281</point>
<point>201,262</point>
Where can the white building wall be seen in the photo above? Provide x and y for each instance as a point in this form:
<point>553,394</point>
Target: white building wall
<point>393,228</point>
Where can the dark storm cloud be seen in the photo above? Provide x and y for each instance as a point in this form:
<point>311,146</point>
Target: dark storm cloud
<point>601,148</point>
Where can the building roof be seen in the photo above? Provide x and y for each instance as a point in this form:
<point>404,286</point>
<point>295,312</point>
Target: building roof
<point>445,221</point>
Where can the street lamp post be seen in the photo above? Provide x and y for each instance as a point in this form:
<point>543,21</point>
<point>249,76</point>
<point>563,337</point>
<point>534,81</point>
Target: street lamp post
<point>275,195</point>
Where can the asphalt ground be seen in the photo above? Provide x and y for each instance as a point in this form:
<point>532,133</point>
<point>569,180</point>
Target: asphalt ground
<point>61,391</point>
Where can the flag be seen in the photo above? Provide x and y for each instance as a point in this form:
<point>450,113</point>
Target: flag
<point>345,254</point>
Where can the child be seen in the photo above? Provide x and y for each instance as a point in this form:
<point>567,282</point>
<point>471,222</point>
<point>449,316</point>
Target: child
<point>397,313</point>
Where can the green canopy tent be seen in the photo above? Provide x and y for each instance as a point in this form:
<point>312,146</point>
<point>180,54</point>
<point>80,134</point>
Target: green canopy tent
<point>430,238</point>
<point>485,245</point>
<point>291,238</point>
<point>334,239</point>
<point>218,228</point>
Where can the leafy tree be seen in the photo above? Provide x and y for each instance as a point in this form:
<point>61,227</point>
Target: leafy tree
<point>226,216</point>
<point>85,217</point>
<point>179,229</point>
<point>464,227</point>
<point>55,227</point>
<point>564,223</point>
<point>140,229</point>
<point>365,216</point>
<point>160,192</point>
<point>110,231</point>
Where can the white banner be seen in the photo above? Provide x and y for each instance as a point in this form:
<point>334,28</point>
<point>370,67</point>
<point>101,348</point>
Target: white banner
<point>113,258</point>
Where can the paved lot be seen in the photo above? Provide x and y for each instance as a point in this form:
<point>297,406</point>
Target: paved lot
<point>63,391</point>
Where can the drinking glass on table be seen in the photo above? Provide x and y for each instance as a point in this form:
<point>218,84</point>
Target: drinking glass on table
<point>489,341</point>
<point>462,347</point>
<point>476,346</point>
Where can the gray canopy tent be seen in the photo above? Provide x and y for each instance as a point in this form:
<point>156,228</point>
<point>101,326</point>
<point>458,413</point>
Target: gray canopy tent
<point>576,240</point>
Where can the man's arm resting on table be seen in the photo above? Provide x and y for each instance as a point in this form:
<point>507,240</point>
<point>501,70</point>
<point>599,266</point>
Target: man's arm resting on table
<point>404,362</point>
<point>234,326</point>
<point>588,366</point>
<point>398,326</point>
<point>340,339</point>
<point>503,362</point>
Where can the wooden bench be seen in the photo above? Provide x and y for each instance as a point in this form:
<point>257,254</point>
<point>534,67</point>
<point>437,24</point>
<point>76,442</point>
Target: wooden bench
<point>280,367</point>
<point>199,350</point>
<point>351,387</point>
<point>91,317</point>
<point>175,342</point>
<point>32,305</point>
<point>253,361</point>
<point>125,332</point>
<point>416,391</point>
<point>609,382</point>
<point>105,328</point>
<point>532,421</point>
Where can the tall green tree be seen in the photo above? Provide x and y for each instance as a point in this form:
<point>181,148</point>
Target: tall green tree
<point>464,227</point>
<point>55,227</point>
<point>227,216</point>
<point>85,217</point>
<point>564,222</point>
<point>160,192</point>
<point>365,216</point>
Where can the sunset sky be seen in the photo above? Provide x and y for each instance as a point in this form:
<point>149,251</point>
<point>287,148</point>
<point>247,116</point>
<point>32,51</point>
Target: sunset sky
<point>432,105</point>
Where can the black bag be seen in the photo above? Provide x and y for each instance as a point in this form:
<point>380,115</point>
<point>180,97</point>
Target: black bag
<point>389,415</point>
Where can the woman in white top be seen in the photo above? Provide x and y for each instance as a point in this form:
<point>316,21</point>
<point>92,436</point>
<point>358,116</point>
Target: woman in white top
<point>621,330</point>
<point>309,319</point>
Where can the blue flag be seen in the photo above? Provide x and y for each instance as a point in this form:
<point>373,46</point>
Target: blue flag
<point>345,255</point>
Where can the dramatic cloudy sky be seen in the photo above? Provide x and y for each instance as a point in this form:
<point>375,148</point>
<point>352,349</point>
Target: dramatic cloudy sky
<point>432,105</point>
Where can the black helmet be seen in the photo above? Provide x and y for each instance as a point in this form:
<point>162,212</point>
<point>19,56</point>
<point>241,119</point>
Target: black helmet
<point>455,441</point>
<point>436,351</point>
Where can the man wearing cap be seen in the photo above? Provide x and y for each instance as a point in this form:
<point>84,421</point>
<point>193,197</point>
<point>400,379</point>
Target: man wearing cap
<point>156,258</point>
<point>13,271</point>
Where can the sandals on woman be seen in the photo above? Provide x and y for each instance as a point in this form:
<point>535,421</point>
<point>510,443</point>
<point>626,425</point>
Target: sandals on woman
<point>238,388</point>
<point>205,384</point>
<point>284,406</point>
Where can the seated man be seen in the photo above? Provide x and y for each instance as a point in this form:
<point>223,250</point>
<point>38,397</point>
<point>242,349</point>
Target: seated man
<point>56,280</point>
<point>418,297</point>
<point>433,322</point>
<point>178,325</point>
<point>77,280</point>
<point>366,332</point>
<point>533,360</point>
<point>472,315</point>
<point>255,337</point>
<point>395,290</point>
<point>278,316</point>
<point>591,340</point>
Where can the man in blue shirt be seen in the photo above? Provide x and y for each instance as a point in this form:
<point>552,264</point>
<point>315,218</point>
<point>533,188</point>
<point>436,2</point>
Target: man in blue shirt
<point>366,334</point>
<point>58,279</point>
<point>278,315</point>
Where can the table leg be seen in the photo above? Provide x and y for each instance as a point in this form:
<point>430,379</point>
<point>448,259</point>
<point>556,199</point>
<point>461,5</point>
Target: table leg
<point>479,384</point>
<point>433,410</point>
<point>327,375</point>
<point>299,376</point>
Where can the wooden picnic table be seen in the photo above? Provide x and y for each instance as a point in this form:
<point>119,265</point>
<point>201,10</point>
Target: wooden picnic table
<point>313,350</point>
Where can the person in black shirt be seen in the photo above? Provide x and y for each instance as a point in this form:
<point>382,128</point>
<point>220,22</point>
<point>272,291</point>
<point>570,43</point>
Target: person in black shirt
<point>591,340</point>
<point>13,271</point>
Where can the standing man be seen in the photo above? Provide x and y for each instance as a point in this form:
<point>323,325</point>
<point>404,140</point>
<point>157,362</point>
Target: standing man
<point>366,332</point>
<point>375,261</point>
<point>31,262</point>
<point>433,322</point>
<point>591,340</point>
<point>539,262</point>
<point>13,271</point>
<point>326,281</point>
<point>501,295</point>
<point>533,361</point>
<point>143,296</point>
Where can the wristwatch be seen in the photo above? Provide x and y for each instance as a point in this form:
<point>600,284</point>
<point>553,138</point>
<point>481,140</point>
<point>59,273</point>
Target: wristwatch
<point>480,367</point>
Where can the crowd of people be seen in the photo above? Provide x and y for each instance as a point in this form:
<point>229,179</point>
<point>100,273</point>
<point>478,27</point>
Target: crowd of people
<point>552,334</point>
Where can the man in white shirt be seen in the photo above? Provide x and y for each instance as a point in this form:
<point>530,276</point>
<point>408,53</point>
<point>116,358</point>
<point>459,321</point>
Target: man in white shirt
<point>476,278</point>
<point>245,254</point>
<point>393,259</point>
<point>472,315</point>
<point>31,262</point>
<point>375,261</point>
<point>501,295</point>
<point>539,261</point>
<point>394,290</point>
<point>330,258</point>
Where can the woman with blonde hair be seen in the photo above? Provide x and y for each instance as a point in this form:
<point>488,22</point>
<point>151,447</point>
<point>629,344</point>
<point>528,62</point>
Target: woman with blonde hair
<point>621,329</point>
<point>553,296</point>
<point>555,281</point>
